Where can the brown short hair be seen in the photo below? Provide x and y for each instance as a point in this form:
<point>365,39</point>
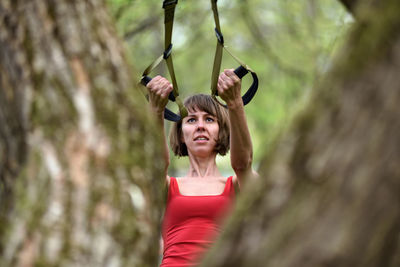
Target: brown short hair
<point>207,104</point>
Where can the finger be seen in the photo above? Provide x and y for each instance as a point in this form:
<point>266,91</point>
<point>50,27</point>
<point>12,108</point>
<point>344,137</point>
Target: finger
<point>223,80</point>
<point>229,72</point>
<point>231,75</point>
<point>220,90</point>
<point>223,76</point>
<point>158,78</point>
<point>157,81</point>
<point>221,84</point>
<point>226,81</point>
<point>170,88</point>
<point>166,87</point>
<point>153,82</point>
<point>159,85</point>
<point>164,94</point>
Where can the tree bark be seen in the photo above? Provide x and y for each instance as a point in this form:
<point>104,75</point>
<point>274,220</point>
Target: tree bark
<point>80,183</point>
<point>329,191</point>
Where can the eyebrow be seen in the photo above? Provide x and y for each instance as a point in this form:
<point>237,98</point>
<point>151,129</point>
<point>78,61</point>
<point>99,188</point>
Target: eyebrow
<point>203,114</point>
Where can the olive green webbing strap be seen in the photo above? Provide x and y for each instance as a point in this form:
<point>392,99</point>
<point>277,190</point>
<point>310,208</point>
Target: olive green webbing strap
<point>218,53</point>
<point>218,50</point>
<point>169,10</point>
<point>148,70</point>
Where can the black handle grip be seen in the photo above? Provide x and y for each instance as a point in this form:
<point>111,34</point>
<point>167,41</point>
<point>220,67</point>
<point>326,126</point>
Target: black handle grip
<point>248,96</point>
<point>145,80</point>
<point>168,114</point>
<point>240,71</point>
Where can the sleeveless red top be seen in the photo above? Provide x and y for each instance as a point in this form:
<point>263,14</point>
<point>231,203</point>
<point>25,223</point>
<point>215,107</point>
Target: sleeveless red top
<point>191,223</point>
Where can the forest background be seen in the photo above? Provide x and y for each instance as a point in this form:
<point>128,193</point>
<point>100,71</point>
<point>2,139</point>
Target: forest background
<point>289,44</point>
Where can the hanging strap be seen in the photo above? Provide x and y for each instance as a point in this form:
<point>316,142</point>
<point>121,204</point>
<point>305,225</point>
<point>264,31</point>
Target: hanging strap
<point>169,11</point>
<point>218,50</point>
<point>241,71</point>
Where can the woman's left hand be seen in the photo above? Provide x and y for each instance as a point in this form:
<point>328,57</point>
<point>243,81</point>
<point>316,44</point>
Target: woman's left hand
<point>229,86</point>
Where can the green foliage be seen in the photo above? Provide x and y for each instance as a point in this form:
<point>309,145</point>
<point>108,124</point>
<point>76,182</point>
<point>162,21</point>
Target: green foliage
<point>288,43</point>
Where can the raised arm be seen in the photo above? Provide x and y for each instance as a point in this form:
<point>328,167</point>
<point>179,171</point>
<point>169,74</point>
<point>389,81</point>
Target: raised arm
<point>159,89</point>
<point>241,147</point>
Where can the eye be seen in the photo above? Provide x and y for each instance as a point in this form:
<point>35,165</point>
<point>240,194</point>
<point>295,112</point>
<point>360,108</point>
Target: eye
<point>190,120</point>
<point>210,119</point>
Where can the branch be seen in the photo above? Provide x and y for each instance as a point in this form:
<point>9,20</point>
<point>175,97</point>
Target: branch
<point>259,38</point>
<point>145,24</point>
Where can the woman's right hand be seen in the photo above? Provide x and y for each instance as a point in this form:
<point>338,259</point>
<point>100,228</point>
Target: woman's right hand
<point>159,89</point>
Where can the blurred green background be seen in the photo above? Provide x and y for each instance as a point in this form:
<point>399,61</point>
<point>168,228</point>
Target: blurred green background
<point>289,43</point>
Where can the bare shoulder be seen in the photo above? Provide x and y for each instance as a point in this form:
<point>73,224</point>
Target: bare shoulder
<point>167,180</point>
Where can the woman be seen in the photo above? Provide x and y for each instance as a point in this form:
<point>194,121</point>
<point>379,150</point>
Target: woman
<point>198,202</point>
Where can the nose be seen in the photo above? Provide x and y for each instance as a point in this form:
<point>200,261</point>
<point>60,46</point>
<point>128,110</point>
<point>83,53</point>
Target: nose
<point>200,125</point>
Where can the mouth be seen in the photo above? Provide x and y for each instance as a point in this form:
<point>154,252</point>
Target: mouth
<point>201,138</point>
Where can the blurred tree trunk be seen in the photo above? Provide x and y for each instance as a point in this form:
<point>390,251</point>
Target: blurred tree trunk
<point>79,176</point>
<point>329,192</point>
<point>79,173</point>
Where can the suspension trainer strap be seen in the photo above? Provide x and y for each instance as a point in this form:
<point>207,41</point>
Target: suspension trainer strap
<point>169,8</point>
<point>218,50</point>
<point>241,71</point>
<point>169,11</point>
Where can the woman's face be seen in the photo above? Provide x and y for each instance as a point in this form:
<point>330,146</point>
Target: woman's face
<point>200,133</point>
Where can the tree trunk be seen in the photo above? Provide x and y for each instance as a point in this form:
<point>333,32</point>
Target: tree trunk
<point>329,192</point>
<point>79,172</point>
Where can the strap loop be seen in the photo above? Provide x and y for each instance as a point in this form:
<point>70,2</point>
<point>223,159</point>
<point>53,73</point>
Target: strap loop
<point>169,11</point>
<point>167,3</point>
<point>241,71</point>
<point>220,37</point>
<point>167,52</point>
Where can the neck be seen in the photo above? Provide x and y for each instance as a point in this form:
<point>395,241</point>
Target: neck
<point>203,166</point>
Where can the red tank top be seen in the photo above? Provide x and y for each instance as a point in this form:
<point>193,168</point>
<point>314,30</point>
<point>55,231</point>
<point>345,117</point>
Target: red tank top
<point>191,223</point>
